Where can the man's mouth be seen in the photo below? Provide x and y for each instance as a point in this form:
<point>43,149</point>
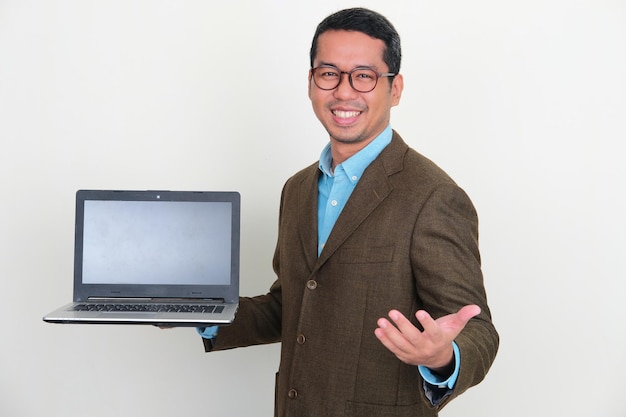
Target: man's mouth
<point>346,114</point>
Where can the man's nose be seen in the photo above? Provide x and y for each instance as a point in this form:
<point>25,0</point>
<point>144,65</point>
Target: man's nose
<point>344,89</point>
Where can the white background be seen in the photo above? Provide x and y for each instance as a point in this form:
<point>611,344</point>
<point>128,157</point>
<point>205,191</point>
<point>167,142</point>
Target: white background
<point>522,102</point>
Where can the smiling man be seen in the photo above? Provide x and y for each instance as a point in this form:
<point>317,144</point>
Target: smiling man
<point>353,112</point>
<point>379,300</point>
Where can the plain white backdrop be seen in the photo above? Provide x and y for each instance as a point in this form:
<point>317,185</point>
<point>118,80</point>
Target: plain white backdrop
<point>522,102</point>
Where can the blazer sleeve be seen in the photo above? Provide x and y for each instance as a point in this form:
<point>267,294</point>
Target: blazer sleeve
<point>257,322</point>
<point>447,266</point>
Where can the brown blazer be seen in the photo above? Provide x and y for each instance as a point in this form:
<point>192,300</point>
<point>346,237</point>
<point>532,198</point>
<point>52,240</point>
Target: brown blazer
<point>406,239</point>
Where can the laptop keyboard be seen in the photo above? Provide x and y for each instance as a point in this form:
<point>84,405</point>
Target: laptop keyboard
<point>150,308</point>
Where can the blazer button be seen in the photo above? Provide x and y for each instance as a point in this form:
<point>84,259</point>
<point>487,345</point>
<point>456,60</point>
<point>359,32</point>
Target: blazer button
<point>301,339</point>
<point>293,394</point>
<point>311,284</point>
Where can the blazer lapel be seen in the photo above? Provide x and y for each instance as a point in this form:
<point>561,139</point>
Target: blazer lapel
<point>307,215</point>
<point>371,190</point>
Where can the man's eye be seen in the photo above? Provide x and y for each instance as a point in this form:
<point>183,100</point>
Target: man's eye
<point>330,74</point>
<point>365,75</point>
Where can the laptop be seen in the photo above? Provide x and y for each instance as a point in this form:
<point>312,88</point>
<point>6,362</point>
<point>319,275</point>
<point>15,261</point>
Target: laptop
<point>165,258</point>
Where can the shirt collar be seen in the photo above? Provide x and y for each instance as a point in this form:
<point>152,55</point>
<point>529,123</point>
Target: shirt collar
<point>357,163</point>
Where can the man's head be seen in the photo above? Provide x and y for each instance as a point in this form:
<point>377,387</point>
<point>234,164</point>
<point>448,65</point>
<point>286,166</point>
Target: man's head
<point>366,21</point>
<point>353,81</point>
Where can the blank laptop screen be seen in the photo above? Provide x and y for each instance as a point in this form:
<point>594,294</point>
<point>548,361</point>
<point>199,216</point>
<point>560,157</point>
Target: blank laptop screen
<point>157,242</point>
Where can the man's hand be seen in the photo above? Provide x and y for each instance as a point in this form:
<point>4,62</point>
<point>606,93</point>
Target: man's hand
<point>433,346</point>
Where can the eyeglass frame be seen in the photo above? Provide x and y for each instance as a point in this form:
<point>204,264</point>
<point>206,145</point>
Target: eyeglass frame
<point>349,73</point>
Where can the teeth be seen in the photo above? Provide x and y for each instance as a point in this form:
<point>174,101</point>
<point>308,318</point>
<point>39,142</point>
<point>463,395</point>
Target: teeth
<point>346,114</point>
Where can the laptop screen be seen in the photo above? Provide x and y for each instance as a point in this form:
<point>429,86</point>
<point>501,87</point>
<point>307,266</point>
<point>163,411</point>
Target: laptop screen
<point>156,244</point>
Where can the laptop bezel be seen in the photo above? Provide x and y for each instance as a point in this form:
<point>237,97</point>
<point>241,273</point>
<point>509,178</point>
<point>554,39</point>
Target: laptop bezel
<point>226,293</point>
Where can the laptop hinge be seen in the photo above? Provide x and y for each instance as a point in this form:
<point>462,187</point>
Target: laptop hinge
<point>156,299</point>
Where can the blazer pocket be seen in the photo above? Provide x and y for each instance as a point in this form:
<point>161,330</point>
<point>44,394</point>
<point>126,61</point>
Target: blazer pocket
<point>366,255</point>
<point>371,410</point>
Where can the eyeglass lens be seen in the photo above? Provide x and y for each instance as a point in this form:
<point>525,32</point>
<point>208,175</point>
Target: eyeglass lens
<point>361,79</point>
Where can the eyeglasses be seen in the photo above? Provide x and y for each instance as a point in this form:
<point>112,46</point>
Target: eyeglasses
<point>363,80</point>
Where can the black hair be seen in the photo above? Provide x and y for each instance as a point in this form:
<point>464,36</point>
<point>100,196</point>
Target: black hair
<point>366,21</point>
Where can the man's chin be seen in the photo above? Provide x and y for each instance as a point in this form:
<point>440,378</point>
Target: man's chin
<point>347,141</point>
<point>345,137</point>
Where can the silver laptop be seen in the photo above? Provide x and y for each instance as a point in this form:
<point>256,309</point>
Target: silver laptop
<point>167,258</point>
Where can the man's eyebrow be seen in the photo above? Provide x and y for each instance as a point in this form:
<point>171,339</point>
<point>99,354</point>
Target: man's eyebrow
<point>326,64</point>
<point>329,64</point>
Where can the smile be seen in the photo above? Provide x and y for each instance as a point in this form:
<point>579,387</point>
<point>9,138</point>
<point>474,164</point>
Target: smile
<point>346,114</point>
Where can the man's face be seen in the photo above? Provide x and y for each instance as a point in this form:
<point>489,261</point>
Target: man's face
<point>351,117</point>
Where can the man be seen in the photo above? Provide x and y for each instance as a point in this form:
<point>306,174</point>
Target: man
<point>373,230</point>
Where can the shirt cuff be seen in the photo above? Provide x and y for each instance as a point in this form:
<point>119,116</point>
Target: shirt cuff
<point>207,332</point>
<point>435,380</point>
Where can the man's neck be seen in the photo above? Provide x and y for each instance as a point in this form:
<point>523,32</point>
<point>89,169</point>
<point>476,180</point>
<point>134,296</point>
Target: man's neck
<point>341,151</point>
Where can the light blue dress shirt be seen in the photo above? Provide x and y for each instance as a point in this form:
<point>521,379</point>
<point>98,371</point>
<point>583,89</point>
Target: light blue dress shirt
<point>335,187</point>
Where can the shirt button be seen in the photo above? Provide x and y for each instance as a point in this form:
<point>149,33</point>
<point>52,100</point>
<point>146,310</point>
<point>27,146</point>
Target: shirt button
<point>311,284</point>
<point>293,394</point>
<point>354,178</point>
<point>301,339</point>
<point>333,203</point>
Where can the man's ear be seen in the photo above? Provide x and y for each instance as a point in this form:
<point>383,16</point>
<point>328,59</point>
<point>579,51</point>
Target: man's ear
<point>310,82</point>
<point>397,86</point>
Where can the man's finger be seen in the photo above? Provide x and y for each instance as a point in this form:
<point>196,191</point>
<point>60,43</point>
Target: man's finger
<point>390,336</point>
<point>428,323</point>
<point>468,312</point>
<point>405,326</point>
